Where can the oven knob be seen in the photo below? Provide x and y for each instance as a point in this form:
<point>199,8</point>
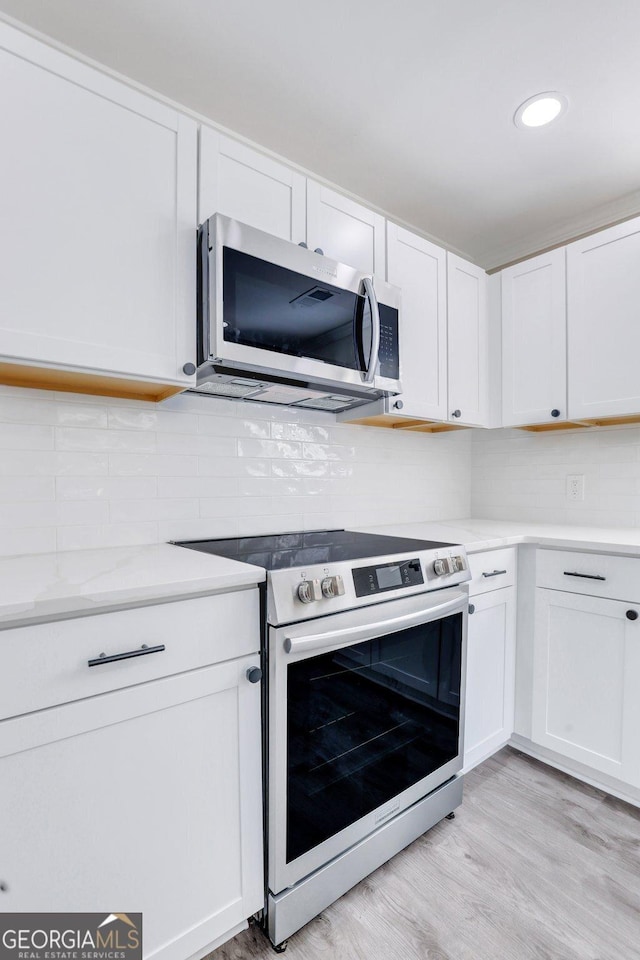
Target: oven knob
<point>332,587</point>
<point>309,590</point>
<point>440,568</point>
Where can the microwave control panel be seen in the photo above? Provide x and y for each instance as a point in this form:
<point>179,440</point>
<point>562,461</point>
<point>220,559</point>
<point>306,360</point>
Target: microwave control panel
<point>388,355</point>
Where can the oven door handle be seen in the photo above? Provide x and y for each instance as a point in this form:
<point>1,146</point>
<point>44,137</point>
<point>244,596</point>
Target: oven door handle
<point>351,635</point>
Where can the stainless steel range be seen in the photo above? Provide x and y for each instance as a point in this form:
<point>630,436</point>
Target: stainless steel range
<point>365,650</point>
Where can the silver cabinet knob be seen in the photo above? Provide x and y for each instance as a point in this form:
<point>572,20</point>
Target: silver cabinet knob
<point>189,369</point>
<point>398,405</point>
<point>456,413</point>
<point>254,674</point>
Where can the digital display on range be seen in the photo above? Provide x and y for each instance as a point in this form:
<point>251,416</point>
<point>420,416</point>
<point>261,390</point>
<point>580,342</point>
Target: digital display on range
<point>388,577</point>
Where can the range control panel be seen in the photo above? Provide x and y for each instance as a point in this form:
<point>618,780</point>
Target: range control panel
<point>304,592</point>
<point>387,576</point>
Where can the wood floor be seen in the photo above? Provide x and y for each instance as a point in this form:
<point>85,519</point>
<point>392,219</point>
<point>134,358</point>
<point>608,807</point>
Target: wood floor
<point>536,866</point>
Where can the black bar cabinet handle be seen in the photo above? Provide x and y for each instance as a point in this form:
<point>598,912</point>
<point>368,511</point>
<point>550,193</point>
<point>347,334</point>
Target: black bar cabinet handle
<point>494,573</point>
<point>584,576</point>
<point>142,652</point>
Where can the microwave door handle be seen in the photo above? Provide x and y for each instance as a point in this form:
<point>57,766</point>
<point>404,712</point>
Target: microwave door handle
<point>370,294</point>
<point>351,635</point>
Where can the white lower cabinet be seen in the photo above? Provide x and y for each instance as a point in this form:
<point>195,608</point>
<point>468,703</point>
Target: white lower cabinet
<point>585,682</point>
<point>145,799</point>
<point>489,698</point>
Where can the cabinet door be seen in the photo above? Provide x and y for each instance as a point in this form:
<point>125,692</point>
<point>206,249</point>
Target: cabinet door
<point>468,351</point>
<point>97,248</point>
<point>489,696</point>
<point>148,798</point>
<point>345,230</point>
<point>534,341</point>
<point>603,277</point>
<point>250,187</point>
<point>585,687</point>
<point>419,268</point>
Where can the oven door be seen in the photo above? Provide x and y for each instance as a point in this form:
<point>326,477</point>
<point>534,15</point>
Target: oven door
<point>366,713</point>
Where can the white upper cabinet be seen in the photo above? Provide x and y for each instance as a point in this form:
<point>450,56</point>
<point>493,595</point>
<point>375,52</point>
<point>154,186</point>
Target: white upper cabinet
<point>603,273</point>
<point>98,221</point>
<point>250,187</point>
<point>419,268</point>
<point>345,230</point>
<point>468,342</point>
<point>534,341</point>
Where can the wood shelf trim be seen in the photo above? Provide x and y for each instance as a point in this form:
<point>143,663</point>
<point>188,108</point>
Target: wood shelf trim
<point>406,424</point>
<point>71,381</point>
<point>575,424</point>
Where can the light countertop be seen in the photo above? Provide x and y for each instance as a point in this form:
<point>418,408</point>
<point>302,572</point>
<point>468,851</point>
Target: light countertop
<point>73,583</point>
<point>478,534</point>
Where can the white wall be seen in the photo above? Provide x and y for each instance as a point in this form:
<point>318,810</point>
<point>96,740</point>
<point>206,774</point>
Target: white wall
<point>518,475</point>
<point>81,471</point>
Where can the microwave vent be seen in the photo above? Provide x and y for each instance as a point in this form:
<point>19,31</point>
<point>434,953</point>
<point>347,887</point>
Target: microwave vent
<point>312,297</point>
<point>238,389</point>
<point>324,403</point>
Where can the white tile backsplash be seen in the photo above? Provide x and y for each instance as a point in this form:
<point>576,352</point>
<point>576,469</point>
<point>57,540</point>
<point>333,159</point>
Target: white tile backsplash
<point>79,472</point>
<point>521,475</point>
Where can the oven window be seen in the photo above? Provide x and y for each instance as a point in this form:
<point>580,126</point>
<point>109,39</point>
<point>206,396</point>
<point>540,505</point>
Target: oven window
<point>367,722</point>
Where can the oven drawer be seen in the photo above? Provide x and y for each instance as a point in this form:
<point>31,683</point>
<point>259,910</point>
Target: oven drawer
<point>492,570</point>
<point>593,574</point>
<point>46,664</point>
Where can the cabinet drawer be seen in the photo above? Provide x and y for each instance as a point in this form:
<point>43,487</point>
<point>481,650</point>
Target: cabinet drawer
<point>492,570</point>
<point>593,574</point>
<point>47,664</point>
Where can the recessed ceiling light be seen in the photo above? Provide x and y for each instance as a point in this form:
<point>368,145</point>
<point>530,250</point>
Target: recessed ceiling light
<point>541,109</point>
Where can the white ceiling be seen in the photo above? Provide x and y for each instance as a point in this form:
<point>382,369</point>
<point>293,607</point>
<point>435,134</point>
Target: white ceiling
<point>407,104</point>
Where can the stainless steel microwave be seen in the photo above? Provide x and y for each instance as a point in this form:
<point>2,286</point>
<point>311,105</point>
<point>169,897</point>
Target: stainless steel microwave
<point>281,324</point>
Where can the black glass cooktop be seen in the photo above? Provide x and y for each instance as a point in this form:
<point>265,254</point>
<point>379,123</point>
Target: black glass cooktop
<point>282,550</point>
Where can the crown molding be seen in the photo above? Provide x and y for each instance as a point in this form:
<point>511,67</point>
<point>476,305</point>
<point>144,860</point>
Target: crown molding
<point>591,221</point>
